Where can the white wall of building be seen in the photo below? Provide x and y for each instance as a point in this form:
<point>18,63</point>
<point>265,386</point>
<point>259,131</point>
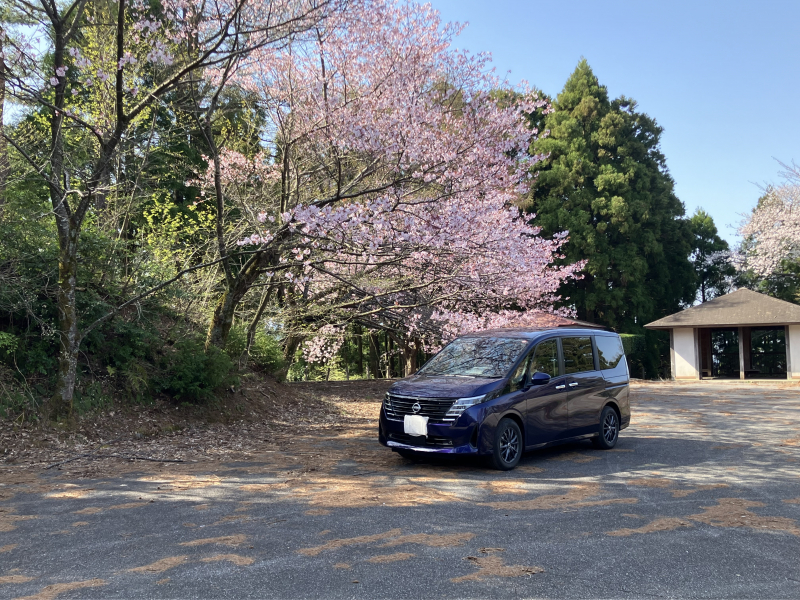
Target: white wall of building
<point>793,352</point>
<point>685,357</point>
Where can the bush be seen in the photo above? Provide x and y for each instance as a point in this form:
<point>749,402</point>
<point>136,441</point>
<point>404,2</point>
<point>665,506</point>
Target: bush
<point>16,399</point>
<point>192,374</point>
<point>266,353</point>
<point>305,371</point>
<point>237,343</point>
<point>91,398</point>
<point>635,347</point>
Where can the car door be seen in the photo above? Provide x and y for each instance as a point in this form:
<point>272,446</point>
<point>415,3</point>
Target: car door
<point>585,384</point>
<point>546,416</point>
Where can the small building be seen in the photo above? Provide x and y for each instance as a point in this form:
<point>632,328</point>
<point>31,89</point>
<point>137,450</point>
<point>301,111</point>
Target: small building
<point>742,335</point>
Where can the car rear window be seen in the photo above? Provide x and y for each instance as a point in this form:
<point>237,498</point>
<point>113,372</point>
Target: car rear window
<point>578,356</point>
<point>609,351</point>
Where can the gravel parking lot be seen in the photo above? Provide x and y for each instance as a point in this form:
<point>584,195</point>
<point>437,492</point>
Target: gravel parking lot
<point>701,498</point>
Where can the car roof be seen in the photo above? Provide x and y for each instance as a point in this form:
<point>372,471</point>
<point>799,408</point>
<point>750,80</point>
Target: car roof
<point>531,332</point>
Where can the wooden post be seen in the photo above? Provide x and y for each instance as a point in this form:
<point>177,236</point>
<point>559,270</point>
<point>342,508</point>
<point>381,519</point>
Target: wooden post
<point>741,353</point>
<point>788,352</point>
<point>747,333</point>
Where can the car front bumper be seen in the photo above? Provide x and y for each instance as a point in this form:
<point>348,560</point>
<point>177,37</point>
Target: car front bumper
<point>458,438</point>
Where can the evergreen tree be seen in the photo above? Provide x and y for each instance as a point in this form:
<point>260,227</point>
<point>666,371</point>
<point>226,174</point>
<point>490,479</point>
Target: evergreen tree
<point>710,257</point>
<point>605,181</point>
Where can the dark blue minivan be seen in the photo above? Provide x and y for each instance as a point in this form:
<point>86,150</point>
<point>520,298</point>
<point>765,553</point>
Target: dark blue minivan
<point>499,393</point>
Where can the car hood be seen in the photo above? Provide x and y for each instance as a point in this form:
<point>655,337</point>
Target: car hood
<point>438,386</point>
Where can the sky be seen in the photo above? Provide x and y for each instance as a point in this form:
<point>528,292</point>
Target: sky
<point>721,77</point>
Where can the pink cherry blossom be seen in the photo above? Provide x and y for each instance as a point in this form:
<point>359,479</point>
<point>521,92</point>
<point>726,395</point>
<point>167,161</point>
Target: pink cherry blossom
<point>404,176</point>
<point>772,231</point>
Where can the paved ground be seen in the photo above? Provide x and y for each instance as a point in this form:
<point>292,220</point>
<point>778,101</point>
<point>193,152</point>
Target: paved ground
<point>701,498</point>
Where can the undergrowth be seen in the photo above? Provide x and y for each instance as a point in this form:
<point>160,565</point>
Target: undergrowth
<point>130,361</point>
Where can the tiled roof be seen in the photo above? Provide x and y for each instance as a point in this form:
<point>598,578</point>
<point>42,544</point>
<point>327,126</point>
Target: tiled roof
<point>740,308</point>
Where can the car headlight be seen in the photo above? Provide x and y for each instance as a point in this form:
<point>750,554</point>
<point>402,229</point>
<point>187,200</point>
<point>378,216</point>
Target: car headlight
<point>462,404</point>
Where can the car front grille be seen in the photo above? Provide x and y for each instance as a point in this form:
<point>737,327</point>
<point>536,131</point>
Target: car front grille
<point>435,409</point>
<point>420,440</point>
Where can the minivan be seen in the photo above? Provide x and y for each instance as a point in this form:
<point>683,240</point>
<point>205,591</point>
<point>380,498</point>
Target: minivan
<point>500,393</point>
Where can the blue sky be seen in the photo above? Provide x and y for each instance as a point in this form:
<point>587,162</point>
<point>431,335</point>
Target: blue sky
<point>721,78</point>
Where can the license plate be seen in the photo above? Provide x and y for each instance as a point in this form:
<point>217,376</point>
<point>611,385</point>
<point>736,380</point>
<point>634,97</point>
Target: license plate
<point>415,425</point>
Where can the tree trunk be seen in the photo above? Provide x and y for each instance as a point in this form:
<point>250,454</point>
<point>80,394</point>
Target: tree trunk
<point>101,193</point>
<point>289,350</point>
<point>222,319</point>
<point>251,331</point>
<point>4,167</point>
<point>410,356</point>
<point>374,355</point>
<point>360,335</point>
<point>68,230</point>
<point>60,404</point>
<point>389,365</point>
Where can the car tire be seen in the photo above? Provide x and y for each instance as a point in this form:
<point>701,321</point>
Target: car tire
<point>608,434</point>
<point>508,445</point>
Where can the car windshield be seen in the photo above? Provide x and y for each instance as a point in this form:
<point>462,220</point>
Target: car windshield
<point>476,357</point>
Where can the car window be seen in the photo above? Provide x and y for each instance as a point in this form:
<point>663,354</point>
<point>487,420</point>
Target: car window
<point>578,356</point>
<point>517,380</point>
<point>609,351</point>
<point>545,358</point>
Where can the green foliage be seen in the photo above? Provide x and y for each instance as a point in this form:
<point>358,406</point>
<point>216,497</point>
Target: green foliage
<point>8,343</point>
<point>305,371</point>
<point>635,346</point>
<point>606,182</point>
<point>267,353</point>
<point>714,271</point>
<point>17,400</point>
<point>134,380</point>
<point>91,398</point>
<point>633,343</point>
<point>17,404</point>
<point>237,343</point>
<point>782,283</point>
<point>191,374</point>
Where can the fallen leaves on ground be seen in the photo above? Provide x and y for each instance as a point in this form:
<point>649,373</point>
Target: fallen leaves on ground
<point>262,415</point>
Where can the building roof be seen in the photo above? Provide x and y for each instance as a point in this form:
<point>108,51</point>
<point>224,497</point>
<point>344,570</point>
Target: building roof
<point>742,308</point>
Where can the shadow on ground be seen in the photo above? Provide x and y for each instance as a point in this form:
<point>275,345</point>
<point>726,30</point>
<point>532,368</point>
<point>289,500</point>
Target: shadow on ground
<point>700,498</point>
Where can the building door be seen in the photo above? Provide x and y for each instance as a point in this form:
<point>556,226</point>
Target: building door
<point>725,353</point>
<point>768,352</point>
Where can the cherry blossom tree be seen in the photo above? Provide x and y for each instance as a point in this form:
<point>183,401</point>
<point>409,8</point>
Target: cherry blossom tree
<point>772,231</point>
<point>385,190</point>
<point>151,49</point>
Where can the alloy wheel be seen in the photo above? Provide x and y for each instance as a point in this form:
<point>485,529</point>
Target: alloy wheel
<point>509,445</point>
<point>610,427</point>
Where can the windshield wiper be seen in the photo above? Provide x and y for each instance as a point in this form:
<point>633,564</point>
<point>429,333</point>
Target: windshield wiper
<point>450,375</point>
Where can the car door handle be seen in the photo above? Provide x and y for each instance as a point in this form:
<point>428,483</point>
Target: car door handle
<point>560,387</point>
<point>573,384</point>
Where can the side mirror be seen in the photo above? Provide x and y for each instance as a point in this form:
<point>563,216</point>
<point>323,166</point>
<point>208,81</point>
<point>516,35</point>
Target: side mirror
<point>540,379</point>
